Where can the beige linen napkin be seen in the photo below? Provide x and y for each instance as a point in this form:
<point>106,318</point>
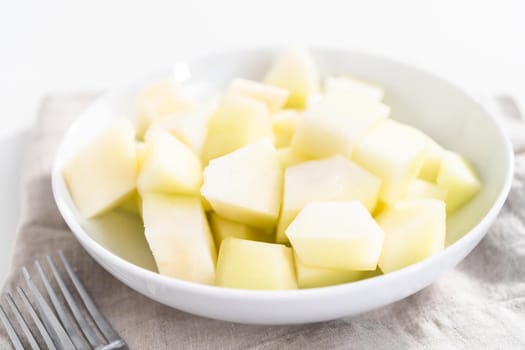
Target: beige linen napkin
<point>478,305</point>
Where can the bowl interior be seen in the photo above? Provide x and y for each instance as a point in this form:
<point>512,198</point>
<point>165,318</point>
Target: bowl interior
<point>445,113</point>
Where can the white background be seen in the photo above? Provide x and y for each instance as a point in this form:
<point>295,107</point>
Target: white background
<point>62,46</point>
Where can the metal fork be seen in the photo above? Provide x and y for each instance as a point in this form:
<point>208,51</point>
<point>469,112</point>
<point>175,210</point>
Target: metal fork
<point>59,331</point>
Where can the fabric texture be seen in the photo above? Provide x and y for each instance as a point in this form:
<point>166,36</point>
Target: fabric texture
<point>478,305</point>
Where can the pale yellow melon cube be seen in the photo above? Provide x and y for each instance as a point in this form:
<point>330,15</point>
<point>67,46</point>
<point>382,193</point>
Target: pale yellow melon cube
<point>169,167</point>
<point>104,172</point>
<point>223,228</point>
<point>331,179</point>
<point>417,189</point>
<point>336,235</point>
<point>179,237</point>
<point>237,122</point>
<point>272,96</point>
<point>248,264</point>
<point>421,189</point>
<point>246,185</point>
<point>313,277</point>
<point>190,127</point>
<point>335,124</point>
<point>414,230</point>
<point>395,153</point>
<point>284,124</point>
<point>295,71</point>
<point>458,177</point>
<point>157,101</point>
<point>354,86</point>
<point>432,162</point>
<point>287,157</point>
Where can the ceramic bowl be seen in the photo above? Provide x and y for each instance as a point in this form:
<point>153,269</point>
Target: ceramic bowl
<point>442,110</point>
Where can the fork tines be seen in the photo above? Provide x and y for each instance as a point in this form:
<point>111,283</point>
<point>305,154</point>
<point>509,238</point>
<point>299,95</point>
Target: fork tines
<point>54,323</point>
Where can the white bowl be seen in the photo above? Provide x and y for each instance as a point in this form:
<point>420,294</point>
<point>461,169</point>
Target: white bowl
<point>418,98</point>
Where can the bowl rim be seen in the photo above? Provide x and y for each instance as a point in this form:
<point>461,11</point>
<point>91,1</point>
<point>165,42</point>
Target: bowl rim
<point>203,289</point>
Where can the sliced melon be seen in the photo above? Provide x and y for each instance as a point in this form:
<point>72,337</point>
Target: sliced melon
<point>336,235</point>
<point>248,264</point>
<point>414,230</point>
<point>246,185</point>
<point>103,173</point>
<point>295,71</point>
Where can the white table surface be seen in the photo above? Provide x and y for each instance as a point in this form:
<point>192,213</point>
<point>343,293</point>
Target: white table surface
<point>59,46</point>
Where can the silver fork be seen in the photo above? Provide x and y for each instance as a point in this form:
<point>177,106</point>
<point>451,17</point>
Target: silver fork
<point>59,331</point>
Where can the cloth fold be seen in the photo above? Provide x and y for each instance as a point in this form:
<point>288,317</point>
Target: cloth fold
<point>478,305</point>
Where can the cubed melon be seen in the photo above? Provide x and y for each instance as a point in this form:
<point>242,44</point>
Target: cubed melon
<point>190,127</point>
<point>417,189</point>
<point>395,153</point>
<point>223,228</point>
<point>248,264</point>
<point>157,101</point>
<point>287,157</point>
<point>313,277</point>
<point>354,86</point>
<point>284,124</point>
<point>336,235</point>
<point>458,177</point>
<point>179,237</point>
<point>414,230</point>
<point>295,71</point>
<point>272,96</point>
<point>169,167</point>
<point>246,185</point>
<point>104,172</point>
<point>237,122</point>
<point>335,124</point>
<point>432,161</point>
<point>330,179</point>
<point>421,189</point>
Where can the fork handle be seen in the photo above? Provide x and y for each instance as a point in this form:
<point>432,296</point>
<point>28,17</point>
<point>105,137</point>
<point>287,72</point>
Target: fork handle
<point>115,344</point>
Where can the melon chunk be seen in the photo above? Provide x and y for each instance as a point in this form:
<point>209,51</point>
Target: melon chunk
<point>313,277</point>
<point>354,86</point>
<point>295,71</point>
<point>331,179</point>
<point>248,264</point>
<point>272,96</point>
<point>169,167</point>
<point>287,157</point>
<point>460,180</point>
<point>157,101</point>
<point>420,189</point>
<point>223,228</point>
<point>237,122</point>
<point>336,235</point>
<point>417,189</point>
<point>103,173</point>
<point>335,124</point>
<point>179,237</point>
<point>245,185</point>
<point>414,230</point>
<point>190,127</point>
<point>432,161</point>
<point>395,153</point>
<point>284,124</point>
